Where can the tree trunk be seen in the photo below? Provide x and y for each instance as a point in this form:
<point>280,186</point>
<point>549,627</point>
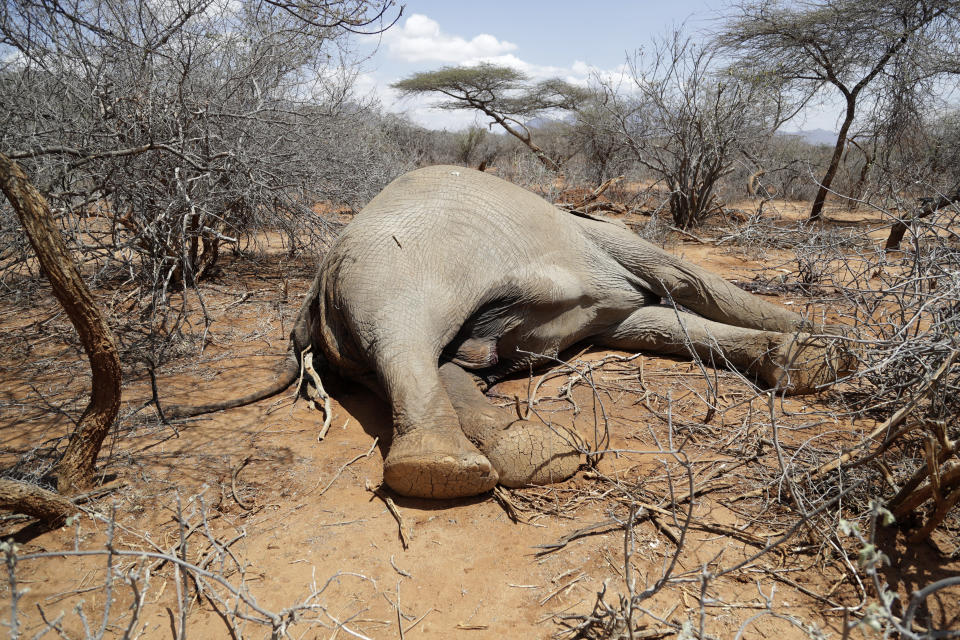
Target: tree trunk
<point>76,468</point>
<point>49,507</point>
<point>816,213</point>
<point>540,154</point>
<point>929,207</point>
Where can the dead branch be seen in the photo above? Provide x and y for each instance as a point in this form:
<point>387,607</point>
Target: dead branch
<point>392,507</point>
<point>48,507</point>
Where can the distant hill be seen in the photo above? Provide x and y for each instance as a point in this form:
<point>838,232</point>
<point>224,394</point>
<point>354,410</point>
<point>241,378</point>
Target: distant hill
<point>814,136</point>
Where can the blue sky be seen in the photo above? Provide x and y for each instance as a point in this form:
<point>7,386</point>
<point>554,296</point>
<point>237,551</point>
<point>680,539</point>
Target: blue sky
<point>564,38</point>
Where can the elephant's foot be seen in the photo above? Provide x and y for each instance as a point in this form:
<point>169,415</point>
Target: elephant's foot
<point>802,363</point>
<point>523,452</point>
<point>427,463</point>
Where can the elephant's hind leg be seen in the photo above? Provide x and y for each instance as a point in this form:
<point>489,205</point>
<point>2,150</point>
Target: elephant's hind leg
<point>429,456</point>
<point>797,363</point>
<point>521,451</point>
<point>687,284</point>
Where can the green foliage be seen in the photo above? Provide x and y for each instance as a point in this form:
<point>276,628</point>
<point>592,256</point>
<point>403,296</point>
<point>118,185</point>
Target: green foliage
<point>504,94</point>
<point>495,88</point>
<point>484,82</point>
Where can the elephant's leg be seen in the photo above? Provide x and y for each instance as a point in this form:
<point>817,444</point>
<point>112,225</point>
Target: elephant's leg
<point>522,452</point>
<point>688,284</point>
<point>797,363</point>
<point>429,457</point>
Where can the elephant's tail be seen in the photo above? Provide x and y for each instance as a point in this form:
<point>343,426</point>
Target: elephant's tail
<point>295,366</point>
<point>286,377</point>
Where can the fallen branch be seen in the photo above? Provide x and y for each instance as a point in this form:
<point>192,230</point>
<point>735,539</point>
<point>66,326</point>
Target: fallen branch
<point>387,500</point>
<point>344,466</point>
<point>49,507</point>
<point>593,195</point>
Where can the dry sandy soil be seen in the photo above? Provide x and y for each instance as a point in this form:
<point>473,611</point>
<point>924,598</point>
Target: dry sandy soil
<point>254,497</point>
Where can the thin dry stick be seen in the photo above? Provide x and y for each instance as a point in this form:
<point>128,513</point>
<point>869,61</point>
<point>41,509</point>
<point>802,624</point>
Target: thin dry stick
<point>553,593</point>
<point>502,496</point>
<point>417,621</point>
<point>553,373</point>
<point>344,466</point>
<point>233,483</point>
<point>399,616</point>
<point>380,493</point>
<point>405,574</point>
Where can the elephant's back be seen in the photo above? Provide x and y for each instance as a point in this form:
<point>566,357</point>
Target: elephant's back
<point>454,204</point>
<point>452,222</point>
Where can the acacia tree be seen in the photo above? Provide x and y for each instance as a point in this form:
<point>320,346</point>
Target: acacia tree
<point>505,95</point>
<point>847,44</point>
<point>686,120</point>
<point>931,162</point>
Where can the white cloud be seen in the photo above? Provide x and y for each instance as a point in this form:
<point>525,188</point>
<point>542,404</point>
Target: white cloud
<point>421,40</point>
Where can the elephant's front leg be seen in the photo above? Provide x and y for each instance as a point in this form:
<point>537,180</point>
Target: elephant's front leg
<point>797,363</point>
<point>522,452</point>
<point>429,457</point>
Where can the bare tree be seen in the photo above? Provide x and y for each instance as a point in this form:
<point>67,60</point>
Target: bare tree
<point>505,95</point>
<point>686,121</point>
<point>923,165</point>
<point>846,44</point>
<point>158,132</point>
<point>161,133</point>
<point>595,135</point>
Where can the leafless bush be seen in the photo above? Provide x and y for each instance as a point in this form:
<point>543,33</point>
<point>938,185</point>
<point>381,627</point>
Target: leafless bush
<point>686,122</point>
<point>138,571</point>
<point>602,152</point>
<point>902,319</point>
<point>477,147</point>
<point>518,167</point>
<point>787,165</point>
<point>161,134</point>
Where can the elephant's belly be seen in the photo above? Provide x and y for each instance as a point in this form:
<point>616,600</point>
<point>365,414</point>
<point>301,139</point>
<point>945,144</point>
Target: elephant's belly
<point>547,332</point>
<point>556,308</point>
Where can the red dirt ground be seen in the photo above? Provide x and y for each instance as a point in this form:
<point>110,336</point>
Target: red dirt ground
<point>308,530</point>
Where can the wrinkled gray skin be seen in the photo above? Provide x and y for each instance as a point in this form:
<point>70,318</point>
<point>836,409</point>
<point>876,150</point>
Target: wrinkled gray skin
<point>450,270</point>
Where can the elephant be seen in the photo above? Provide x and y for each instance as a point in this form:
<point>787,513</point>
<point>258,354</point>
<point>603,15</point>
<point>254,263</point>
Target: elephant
<point>451,275</point>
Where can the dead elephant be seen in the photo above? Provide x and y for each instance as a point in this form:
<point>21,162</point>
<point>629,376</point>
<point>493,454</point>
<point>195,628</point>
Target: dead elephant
<point>450,270</point>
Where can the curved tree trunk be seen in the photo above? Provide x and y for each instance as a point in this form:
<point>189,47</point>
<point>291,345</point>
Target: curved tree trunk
<point>76,468</point>
<point>816,213</point>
